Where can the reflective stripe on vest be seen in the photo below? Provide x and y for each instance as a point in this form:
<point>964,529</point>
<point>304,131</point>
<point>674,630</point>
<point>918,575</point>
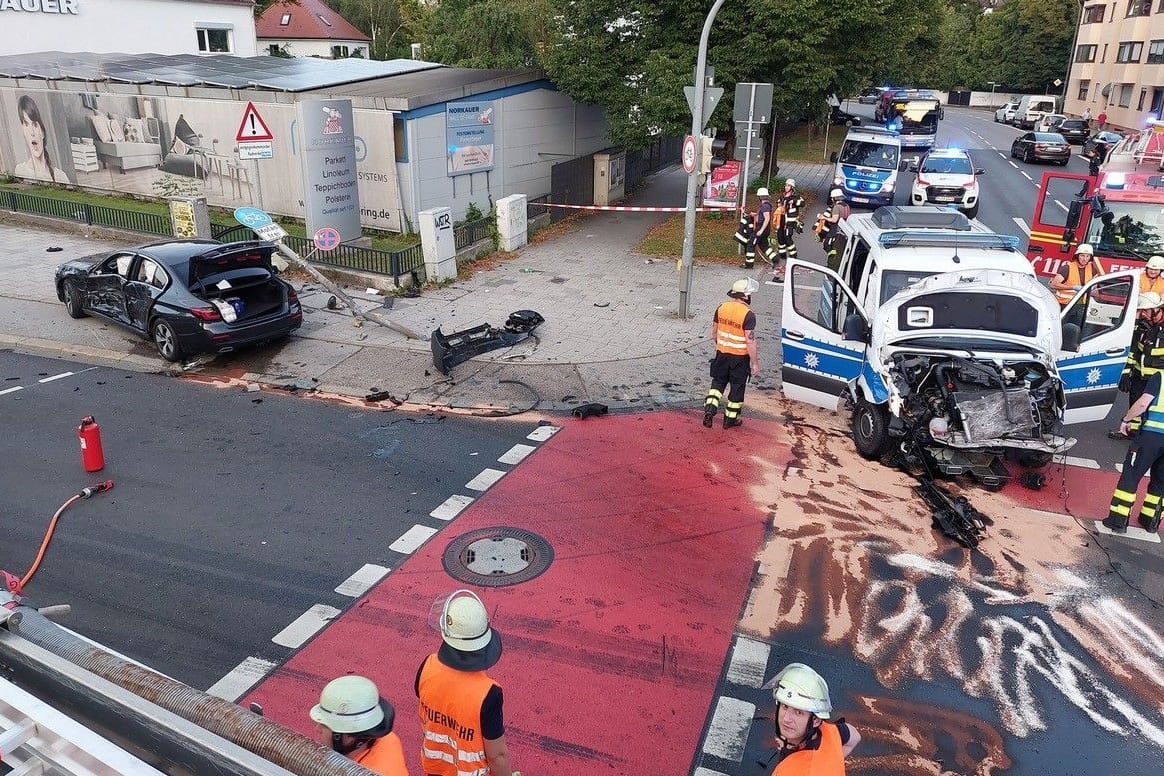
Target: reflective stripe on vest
<point>450,714</point>
<point>730,336</point>
<point>386,757</point>
<point>1148,284</point>
<point>1067,294</point>
<point>826,760</point>
<point>1154,419</point>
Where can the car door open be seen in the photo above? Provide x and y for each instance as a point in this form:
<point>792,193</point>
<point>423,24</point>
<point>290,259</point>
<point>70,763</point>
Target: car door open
<point>818,362</point>
<point>1097,332</point>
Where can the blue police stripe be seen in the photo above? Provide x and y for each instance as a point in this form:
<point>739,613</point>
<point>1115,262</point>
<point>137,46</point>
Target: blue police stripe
<point>810,355</point>
<point>1084,373</point>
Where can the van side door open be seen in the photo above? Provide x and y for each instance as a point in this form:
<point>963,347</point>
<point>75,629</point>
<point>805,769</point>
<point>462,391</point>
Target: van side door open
<point>1097,332</point>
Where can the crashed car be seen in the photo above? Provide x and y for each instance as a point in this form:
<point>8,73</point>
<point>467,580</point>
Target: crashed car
<point>961,365</point>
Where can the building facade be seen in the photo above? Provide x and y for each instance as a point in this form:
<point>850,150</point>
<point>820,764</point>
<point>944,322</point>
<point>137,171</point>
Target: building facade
<point>108,26</point>
<point>308,28</point>
<point>1117,66</point>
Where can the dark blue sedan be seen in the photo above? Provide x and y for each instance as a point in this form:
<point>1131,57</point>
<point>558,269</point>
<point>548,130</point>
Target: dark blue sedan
<point>187,296</point>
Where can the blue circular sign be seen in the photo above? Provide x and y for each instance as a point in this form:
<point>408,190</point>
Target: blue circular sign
<point>252,217</point>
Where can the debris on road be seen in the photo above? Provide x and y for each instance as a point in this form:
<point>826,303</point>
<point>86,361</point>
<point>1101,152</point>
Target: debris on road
<point>454,348</point>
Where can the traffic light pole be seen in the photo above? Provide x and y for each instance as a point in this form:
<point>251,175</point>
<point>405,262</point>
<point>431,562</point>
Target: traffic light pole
<point>693,177</point>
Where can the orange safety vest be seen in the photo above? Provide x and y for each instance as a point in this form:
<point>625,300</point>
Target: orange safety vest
<point>826,760</point>
<point>1067,294</point>
<point>450,714</point>
<point>385,757</point>
<point>1147,284</point>
<point>730,336</point>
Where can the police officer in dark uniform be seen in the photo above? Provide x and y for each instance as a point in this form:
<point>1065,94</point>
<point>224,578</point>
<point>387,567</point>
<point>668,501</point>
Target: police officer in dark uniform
<point>1145,454</point>
<point>761,229</point>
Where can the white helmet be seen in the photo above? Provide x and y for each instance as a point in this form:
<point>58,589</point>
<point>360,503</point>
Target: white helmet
<point>350,704</point>
<point>799,687</point>
<point>747,286</point>
<point>1156,262</point>
<point>761,192</point>
<point>790,183</point>
<point>1149,300</point>
<point>836,194</point>
<point>1085,248</point>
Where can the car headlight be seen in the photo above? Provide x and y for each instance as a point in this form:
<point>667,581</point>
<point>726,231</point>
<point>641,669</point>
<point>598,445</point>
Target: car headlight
<point>887,186</point>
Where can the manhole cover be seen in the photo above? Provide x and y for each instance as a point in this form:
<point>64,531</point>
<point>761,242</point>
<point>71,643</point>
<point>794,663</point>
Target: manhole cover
<point>497,557</point>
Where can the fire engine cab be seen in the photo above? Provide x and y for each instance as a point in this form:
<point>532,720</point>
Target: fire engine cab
<point>1120,212</point>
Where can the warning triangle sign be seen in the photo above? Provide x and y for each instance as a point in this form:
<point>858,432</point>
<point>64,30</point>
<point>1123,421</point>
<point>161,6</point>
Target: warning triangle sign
<point>253,127</point>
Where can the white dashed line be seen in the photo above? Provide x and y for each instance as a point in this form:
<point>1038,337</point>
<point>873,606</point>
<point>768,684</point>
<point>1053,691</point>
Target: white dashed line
<point>451,507</point>
<point>728,732</point>
<point>243,677</point>
<point>516,454</point>
<point>542,433</point>
<point>1012,164</point>
<point>55,377</point>
<point>485,479</point>
<point>1024,174</point>
<point>13,389</point>
<point>412,539</point>
<point>360,582</point>
<point>1022,225</point>
<point>1085,463</point>
<point>1000,153</point>
<point>749,662</point>
<point>305,626</point>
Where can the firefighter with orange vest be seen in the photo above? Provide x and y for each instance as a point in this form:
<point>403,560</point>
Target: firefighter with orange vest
<point>733,330</point>
<point>460,706</point>
<point>808,742</point>
<point>1152,278</point>
<point>1074,275</point>
<point>356,722</point>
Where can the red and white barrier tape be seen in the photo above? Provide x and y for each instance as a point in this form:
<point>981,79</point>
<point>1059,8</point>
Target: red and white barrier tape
<point>629,209</point>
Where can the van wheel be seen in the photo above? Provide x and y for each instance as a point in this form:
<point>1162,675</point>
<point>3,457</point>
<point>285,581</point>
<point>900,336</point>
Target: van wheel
<point>870,429</point>
<point>165,340</point>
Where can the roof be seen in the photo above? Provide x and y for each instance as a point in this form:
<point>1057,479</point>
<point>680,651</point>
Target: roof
<point>305,20</point>
<point>413,90</point>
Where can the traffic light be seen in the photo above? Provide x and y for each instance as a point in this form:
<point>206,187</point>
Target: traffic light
<point>708,150</point>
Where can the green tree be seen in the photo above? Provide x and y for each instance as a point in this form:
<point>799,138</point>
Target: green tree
<point>391,24</point>
<point>488,33</point>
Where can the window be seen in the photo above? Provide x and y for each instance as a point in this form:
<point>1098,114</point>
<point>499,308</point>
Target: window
<point>1085,53</point>
<point>150,272</point>
<point>339,52</point>
<point>1129,51</point>
<point>400,137</point>
<point>1125,95</point>
<point>1084,85</point>
<point>1156,51</point>
<point>274,50</point>
<point>325,21</point>
<point>214,39</point>
<point>1139,7</point>
<point>1143,96</point>
<point>1094,14</point>
<point>286,19</point>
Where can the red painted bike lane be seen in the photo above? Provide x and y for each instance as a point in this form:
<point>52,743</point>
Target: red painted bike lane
<point>613,655</point>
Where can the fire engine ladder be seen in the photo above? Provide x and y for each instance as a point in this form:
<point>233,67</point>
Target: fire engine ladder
<point>1149,146</point>
<point>38,740</point>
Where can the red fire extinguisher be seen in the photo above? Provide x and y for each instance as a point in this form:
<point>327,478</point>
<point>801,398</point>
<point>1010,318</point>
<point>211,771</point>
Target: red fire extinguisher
<point>92,456</point>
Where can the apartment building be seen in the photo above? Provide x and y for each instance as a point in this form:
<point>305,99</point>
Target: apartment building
<point>1118,63</point>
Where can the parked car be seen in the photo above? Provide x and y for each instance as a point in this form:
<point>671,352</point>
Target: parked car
<point>187,296</point>
<point>870,96</point>
<point>838,117</point>
<point>1074,130</point>
<point>1005,114</point>
<point>1049,122</point>
<point>1103,140</point>
<point>1042,147</point>
<point>946,176</point>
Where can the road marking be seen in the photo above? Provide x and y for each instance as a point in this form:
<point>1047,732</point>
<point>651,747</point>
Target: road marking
<point>729,728</point>
<point>1061,205</point>
<point>1119,468</point>
<point>242,677</point>
<point>1000,153</point>
<point>412,539</point>
<point>1134,532</point>
<point>542,433</point>
<point>1023,225</point>
<point>305,626</point>
<point>486,479</point>
<point>707,772</point>
<point>1085,463</point>
<point>749,662</point>
<point>13,389</point>
<point>359,583</point>
<point>1024,174</point>
<point>56,377</point>
<point>1012,164</point>
<point>516,454</point>
<point>451,507</point>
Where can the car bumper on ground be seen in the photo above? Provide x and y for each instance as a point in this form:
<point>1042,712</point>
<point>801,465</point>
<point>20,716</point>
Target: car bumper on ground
<point>196,336</point>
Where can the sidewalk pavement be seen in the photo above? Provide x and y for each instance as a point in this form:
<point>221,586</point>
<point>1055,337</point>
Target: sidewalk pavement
<point>612,332</point>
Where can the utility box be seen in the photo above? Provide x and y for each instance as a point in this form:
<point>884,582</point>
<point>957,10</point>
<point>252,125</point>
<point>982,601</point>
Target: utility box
<point>512,222</point>
<point>438,244</point>
<point>609,176</point>
<point>190,218</point>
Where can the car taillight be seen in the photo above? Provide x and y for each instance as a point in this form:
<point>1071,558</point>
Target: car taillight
<point>1040,146</point>
<point>292,297</point>
<point>206,313</point>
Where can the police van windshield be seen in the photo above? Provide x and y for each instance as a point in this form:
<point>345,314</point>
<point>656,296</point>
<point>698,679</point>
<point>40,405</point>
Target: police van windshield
<point>1131,229</point>
<point>866,154</point>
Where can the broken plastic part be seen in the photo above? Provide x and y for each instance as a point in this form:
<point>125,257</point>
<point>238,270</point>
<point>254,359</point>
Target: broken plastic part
<point>454,348</point>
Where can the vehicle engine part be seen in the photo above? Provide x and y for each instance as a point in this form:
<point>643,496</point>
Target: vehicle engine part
<point>454,348</point>
<point>954,516</point>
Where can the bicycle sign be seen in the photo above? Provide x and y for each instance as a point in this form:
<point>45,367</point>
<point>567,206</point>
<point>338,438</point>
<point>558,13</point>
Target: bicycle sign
<point>326,239</point>
<point>252,217</point>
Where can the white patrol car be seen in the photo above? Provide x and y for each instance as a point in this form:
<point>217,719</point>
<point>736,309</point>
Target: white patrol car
<point>947,176</point>
<point>938,331</point>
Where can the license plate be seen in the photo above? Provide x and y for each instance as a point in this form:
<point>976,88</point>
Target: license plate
<point>943,199</point>
<point>860,199</point>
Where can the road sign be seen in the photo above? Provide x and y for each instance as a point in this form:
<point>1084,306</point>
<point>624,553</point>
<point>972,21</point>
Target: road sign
<point>326,239</point>
<point>690,154</point>
<point>253,127</point>
<point>271,232</point>
<point>711,97</point>
<point>753,103</point>
<point>749,144</point>
<point>252,217</point>
<point>255,149</point>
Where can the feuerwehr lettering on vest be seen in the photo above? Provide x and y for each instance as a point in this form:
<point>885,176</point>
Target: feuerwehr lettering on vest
<point>40,6</point>
<point>440,718</point>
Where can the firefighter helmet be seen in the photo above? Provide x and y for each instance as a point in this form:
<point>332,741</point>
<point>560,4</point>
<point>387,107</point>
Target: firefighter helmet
<point>761,192</point>
<point>1149,300</point>
<point>800,687</point>
<point>1085,248</point>
<point>350,704</point>
<point>1156,262</point>
<point>745,286</point>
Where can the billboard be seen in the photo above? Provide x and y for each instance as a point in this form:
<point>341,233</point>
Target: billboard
<point>469,136</point>
<point>722,188</point>
<point>331,193</point>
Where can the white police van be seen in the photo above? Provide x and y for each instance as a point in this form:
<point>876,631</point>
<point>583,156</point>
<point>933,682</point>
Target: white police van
<point>867,165</point>
<point>937,330</point>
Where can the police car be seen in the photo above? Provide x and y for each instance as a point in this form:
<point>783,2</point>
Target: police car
<point>947,176</point>
<point>867,166</point>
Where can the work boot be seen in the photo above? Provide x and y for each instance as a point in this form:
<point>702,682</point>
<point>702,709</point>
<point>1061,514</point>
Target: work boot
<point>1115,524</point>
<point>732,422</point>
<point>708,417</point>
<point>1151,526</point>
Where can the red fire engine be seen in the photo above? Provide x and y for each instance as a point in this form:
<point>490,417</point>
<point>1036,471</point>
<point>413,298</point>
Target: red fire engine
<point>1120,212</point>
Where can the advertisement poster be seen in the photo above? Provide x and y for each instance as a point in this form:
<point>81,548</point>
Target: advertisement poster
<point>469,137</point>
<point>330,178</point>
<point>723,185</point>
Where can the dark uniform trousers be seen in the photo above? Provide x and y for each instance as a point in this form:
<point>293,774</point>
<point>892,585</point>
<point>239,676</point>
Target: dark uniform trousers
<point>726,369</point>
<point>789,225</point>
<point>1145,456</point>
<point>1145,358</point>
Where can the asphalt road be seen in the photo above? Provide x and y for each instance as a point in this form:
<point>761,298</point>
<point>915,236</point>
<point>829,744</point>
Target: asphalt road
<point>232,512</point>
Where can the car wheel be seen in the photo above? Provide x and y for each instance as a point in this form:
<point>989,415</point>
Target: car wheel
<point>73,300</point>
<point>165,340</point>
<point>1027,156</point>
<point>972,212</point>
<point>870,429</point>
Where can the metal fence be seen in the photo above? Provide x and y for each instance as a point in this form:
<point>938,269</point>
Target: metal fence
<point>92,215</point>
<point>471,232</point>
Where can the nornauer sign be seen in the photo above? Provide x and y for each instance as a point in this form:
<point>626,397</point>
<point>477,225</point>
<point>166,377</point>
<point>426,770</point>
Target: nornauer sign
<point>40,6</point>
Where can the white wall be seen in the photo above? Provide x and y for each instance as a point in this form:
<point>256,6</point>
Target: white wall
<point>312,48</point>
<point>126,26</point>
